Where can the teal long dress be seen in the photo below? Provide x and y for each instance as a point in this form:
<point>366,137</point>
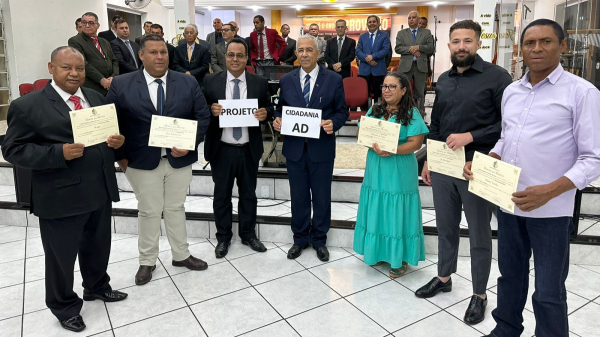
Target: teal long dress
<point>389,226</point>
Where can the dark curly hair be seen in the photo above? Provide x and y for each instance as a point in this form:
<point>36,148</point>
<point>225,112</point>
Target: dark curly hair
<point>406,106</point>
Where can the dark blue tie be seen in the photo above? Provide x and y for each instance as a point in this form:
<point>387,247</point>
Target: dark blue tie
<point>160,97</point>
<point>371,40</point>
<point>306,91</point>
<point>414,31</point>
<point>237,131</point>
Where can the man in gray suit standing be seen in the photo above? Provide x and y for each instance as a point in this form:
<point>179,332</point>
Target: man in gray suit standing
<point>413,44</point>
<point>217,54</point>
<point>216,37</point>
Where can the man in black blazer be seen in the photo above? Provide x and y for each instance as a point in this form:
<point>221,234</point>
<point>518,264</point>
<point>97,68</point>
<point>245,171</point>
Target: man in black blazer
<point>192,58</point>
<point>340,51</point>
<point>289,54</point>
<point>160,177</point>
<point>111,33</point>
<point>72,188</point>
<point>234,153</point>
<point>125,51</point>
<point>158,29</point>
<point>101,65</point>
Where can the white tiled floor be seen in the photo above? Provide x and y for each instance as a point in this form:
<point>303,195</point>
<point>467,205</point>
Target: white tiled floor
<point>264,294</point>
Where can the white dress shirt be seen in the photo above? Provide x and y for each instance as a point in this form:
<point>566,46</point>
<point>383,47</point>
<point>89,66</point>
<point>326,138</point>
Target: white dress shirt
<point>313,79</point>
<point>65,97</point>
<point>152,90</point>
<point>227,135</point>
<point>265,44</point>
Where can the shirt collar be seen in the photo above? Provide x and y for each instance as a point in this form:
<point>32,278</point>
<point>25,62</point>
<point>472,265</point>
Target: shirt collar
<point>375,32</point>
<point>114,32</point>
<point>552,78</point>
<point>343,38</point>
<point>242,77</point>
<point>412,29</point>
<point>65,95</point>
<point>150,79</point>
<point>124,41</point>
<point>477,66</point>
<point>313,74</point>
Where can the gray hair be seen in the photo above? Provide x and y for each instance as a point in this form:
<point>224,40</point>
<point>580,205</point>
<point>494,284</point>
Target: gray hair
<point>419,15</point>
<point>55,52</point>
<point>192,26</point>
<point>306,37</point>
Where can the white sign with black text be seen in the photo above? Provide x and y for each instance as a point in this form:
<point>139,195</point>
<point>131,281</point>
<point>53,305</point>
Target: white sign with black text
<point>238,113</point>
<point>301,122</point>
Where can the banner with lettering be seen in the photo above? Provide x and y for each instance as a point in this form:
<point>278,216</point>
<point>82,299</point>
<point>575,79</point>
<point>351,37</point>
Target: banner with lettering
<point>357,24</point>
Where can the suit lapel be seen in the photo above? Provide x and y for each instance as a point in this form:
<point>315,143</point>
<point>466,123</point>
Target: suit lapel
<point>59,104</point>
<point>143,90</point>
<point>171,89</point>
<point>318,86</point>
<point>222,85</point>
<point>250,87</point>
<point>297,82</point>
<point>195,52</point>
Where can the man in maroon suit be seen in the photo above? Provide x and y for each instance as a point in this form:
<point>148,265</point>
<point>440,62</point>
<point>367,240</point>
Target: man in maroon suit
<point>266,46</point>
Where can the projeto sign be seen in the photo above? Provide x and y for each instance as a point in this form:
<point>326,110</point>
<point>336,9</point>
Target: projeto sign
<point>238,113</point>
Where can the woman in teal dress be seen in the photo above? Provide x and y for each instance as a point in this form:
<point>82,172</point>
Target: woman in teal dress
<point>389,227</point>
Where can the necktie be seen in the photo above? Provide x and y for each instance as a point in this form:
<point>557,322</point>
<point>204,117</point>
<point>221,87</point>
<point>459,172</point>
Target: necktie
<point>339,47</point>
<point>371,40</point>
<point>97,44</point>
<point>414,34</point>
<point>160,96</point>
<point>76,101</point>
<point>237,131</point>
<point>261,48</point>
<point>189,53</point>
<point>306,91</point>
<point>128,44</point>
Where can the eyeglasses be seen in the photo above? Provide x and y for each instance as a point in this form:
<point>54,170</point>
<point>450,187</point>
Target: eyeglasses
<point>238,56</point>
<point>189,33</point>
<point>390,87</point>
<point>225,30</point>
<point>88,23</point>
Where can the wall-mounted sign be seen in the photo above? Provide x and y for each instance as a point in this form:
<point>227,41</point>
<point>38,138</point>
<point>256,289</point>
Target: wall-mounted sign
<point>357,24</point>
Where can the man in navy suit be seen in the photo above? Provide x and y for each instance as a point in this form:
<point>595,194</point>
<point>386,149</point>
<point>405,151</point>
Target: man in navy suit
<point>372,48</point>
<point>192,58</point>
<point>310,161</point>
<point>160,177</point>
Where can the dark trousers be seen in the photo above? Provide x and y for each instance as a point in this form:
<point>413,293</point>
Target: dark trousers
<point>87,235</point>
<point>374,84</point>
<point>549,240</point>
<point>309,178</point>
<point>450,196</point>
<point>234,162</point>
<point>419,85</point>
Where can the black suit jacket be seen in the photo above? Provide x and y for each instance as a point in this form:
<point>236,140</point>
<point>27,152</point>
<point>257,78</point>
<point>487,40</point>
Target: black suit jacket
<point>108,35</point>
<point>137,39</point>
<point>289,54</point>
<point>198,66</point>
<point>347,55</point>
<point>214,89</point>
<point>171,49</point>
<point>131,97</point>
<point>38,126</point>
<point>124,57</point>
<point>97,66</point>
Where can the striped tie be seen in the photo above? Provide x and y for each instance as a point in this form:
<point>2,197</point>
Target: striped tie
<point>76,102</point>
<point>97,44</point>
<point>306,91</point>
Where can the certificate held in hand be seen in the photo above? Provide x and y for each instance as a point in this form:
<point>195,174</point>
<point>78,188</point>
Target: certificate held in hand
<point>94,125</point>
<point>301,122</point>
<point>441,159</point>
<point>384,133</point>
<point>172,132</point>
<point>494,180</point>
<point>238,113</point>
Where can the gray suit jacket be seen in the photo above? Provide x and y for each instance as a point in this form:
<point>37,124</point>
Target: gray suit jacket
<point>210,38</point>
<point>217,57</point>
<point>404,40</point>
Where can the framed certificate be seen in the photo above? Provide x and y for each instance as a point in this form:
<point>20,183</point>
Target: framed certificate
<point>494,180</point>
<point>93,126</point>
<point>384,133</point>
<point>441,159</point>
<point>173,132</point>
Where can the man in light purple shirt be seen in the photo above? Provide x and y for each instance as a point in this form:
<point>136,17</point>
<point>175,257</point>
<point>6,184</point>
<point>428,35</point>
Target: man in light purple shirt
<point>548,130</point>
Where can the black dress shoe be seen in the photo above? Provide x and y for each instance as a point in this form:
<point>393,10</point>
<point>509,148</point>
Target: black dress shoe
<point>322,253</point>
<point>255,244</point>
<point>295,251</point>
<point>476,311</point>
<point>433,287</point>
<point>191,263</point>
<point>109,296</point>
<point>144,275</point>
<point>222,249</point>
<point>74,323</point>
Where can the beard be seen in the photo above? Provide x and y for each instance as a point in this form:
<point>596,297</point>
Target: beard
<point>466,62</point>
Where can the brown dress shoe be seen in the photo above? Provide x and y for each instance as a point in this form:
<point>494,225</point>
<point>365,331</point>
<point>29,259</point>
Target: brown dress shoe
<point>191,263</point>
<point>144,275</point>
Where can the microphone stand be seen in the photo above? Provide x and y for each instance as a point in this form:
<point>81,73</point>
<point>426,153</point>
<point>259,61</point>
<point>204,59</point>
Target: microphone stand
<point>435,20</point>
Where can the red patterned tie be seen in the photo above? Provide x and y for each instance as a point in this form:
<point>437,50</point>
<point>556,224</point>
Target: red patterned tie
<point>97,44</point>
<point>261,48</point>
<point>76,101</point>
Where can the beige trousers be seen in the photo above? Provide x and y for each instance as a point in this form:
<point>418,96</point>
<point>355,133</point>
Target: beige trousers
<point>161,191</point>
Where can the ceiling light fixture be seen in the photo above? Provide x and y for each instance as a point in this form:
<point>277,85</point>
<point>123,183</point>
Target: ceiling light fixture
<point>209,8</point>
<point>329,1</point>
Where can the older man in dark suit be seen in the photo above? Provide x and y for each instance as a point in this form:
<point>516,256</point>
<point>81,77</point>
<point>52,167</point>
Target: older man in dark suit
<point>310,161</point>
<point>101,65</point>
<point>74,187</point>
<point>192,58</point>
<point>340,51</point>
<point>234,153</point>
<point>125,51</point>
